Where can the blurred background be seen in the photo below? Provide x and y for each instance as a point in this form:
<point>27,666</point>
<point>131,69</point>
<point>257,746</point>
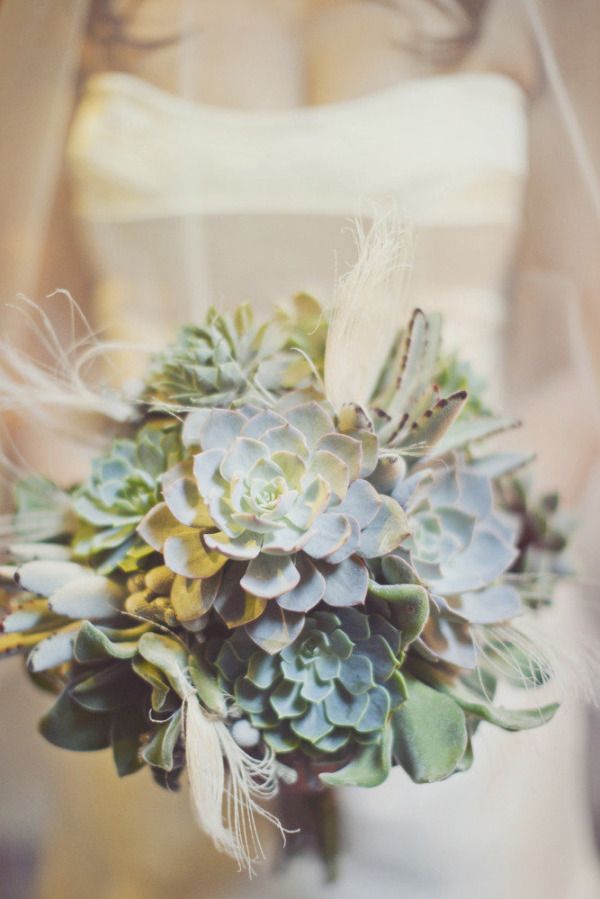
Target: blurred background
<point>158,156</point>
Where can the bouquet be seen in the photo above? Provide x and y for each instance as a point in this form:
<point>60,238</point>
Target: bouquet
<point>295,566</point>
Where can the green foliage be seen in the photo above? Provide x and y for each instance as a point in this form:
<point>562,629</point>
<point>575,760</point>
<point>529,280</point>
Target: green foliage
<point>42,510</point>
<point>430,733</point>
<point>543,531</point>
<point>456,374</point>
<point>123,486</point>
<point>330,692</point>
<point>213,364</point>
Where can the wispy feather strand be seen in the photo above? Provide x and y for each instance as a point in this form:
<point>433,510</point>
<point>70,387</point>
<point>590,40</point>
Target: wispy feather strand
<point>569,661</point>
<point>27,384</point>
<point>227,786</point>
<point>368,309</point>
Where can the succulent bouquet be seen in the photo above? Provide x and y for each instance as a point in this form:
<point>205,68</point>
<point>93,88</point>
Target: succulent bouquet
<point>277,586</point>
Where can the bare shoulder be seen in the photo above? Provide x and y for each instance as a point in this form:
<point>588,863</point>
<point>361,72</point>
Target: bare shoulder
<point>355,47</point>
<point>506,44</point>
<point>236,53</point>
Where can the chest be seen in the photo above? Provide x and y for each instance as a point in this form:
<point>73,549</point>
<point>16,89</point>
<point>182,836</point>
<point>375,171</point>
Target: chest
<point>267,54</point>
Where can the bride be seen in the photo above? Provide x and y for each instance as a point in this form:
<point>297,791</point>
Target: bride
<point>216,153</point>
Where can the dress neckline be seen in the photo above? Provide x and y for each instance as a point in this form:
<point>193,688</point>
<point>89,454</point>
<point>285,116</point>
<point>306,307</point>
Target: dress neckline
<point>125,83</point>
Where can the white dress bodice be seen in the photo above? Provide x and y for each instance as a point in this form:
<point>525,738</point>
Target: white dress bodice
<point>452,150</point>
<point>184,204</point>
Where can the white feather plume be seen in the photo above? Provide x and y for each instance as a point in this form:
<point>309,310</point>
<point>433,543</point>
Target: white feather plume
<point>227,785</point>
<point>41,388</point>
<point>556,644</point>
<point>369,307</point>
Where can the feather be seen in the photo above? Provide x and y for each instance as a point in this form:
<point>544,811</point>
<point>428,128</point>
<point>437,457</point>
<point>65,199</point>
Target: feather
<point>39,388</point>
<point>368,309</point>
<point>227,785</point>
<point>538,652</point>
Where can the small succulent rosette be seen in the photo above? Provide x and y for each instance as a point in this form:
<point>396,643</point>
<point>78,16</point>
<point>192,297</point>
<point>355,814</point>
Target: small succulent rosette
<point>266,585</point>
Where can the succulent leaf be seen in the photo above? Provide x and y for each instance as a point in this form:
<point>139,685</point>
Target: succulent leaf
<point>70,726</point>
<point>159,752</point>
<point>369,768</point>
<point>430,734</point>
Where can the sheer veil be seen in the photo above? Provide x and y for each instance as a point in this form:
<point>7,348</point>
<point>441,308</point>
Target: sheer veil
<point>40,48</point>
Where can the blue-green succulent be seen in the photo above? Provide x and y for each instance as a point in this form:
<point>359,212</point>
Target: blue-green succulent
<point>123,486</point>
<point>213,364</point>
<point>333,689</point>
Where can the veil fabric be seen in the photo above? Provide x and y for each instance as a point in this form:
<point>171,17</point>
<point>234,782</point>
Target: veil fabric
<point>40,50</point>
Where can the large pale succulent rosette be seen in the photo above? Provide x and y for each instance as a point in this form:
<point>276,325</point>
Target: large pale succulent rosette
<point>272,516</point>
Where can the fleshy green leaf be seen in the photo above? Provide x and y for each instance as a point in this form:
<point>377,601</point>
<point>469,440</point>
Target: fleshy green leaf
<point>328,534</point>
<point>44,576</point>
<point>472,430</point>
<point>313,725</point>
<point>106,690</point>
<point>153,676</point>
<point>410,607</point>
<point>269,576</point>
<point>434,424</point>
<point>127,725</point>
<point>387,530</point>
<point>70,726</point>
<point>158,524</point>
<point>185,503</point>
<point>346,583</point>
<point>430,733</point>
<point>507,719</point>
<point>186,554</point>
<point>170,657</point>
<point>369,767</point>
<point>206,686</point>
<point>93,644</point>
<point>345,448</point>
<point>55,650</point>
<point>192,598</point>
<point>159,752</point>
<point>91,596</point>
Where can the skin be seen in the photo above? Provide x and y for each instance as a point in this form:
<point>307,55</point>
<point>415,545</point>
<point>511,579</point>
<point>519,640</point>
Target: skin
<point>281,53</point>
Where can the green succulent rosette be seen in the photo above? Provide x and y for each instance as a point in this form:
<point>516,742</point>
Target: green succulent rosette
<point>460,546</point>
<point>123,486</point>
<point>214,364</point>
<point>333,689</point>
